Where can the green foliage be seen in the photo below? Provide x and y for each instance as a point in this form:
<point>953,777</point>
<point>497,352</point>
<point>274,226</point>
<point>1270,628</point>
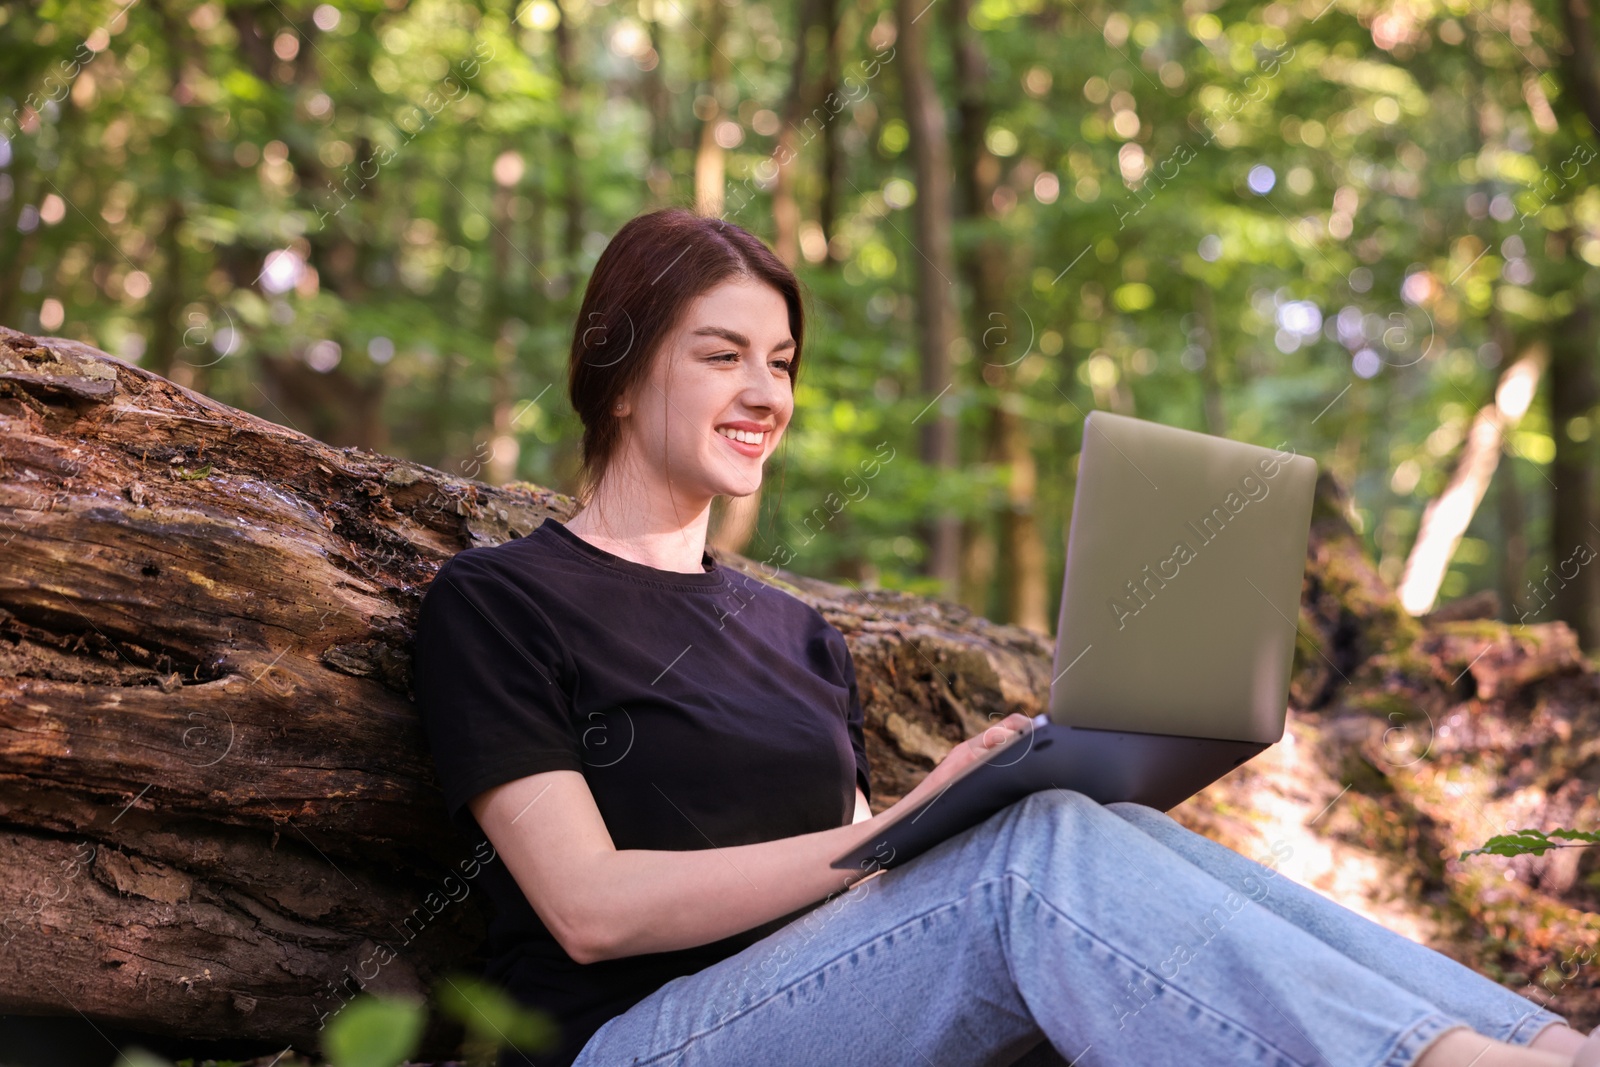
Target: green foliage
<point>493,1018</point>
<point>1534,842</point>
<point>385,1031</point>
<point>134,1056</point>
<point>374,1031</point>
<point>1175,194</point>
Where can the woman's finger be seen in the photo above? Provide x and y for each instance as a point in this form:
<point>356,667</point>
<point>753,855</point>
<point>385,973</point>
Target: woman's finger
<point>1002,731</point>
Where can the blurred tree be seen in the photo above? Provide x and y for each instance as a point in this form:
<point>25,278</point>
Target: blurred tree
<point>935,270</point>
<point>1331,226</point>
<point>1023,584</point>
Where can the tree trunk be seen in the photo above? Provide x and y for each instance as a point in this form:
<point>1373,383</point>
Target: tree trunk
<point>658,102</point>
<point>170,282</point>
<point>735,519</point>
<point>1447,516</point>
<point>935,269</point>
<point>1513,547</point>
<point>1002,341</point>
<point>1579,67</point>
<point>1574,390</point>
<point>566,150</point>
<point>1207,339</point>
<point>710,165</point>
<point>217,804</point>
<point>797,105</point>
<point>1574,393</point>
<point>832,152</point>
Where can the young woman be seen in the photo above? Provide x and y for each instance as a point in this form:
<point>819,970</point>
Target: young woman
<point>668,755</point>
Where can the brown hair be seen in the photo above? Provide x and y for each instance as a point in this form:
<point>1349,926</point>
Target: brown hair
<point>649,273</point>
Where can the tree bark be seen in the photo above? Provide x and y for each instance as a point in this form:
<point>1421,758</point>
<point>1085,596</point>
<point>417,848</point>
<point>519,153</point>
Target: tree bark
<point>658,102</point>
<point>736,518</point>
<point>566,150</point>
<point>833,156</point>
<point>710,163</point>
<point>1574,538</point>
<point>802,98</point>
<point>935,271</point>
<point>1579,67</point>
<point>1574,390</point>
<point>1002,343</point>
<point>1447,516</point>
<point>217,804</point>
<point>1513,546</point>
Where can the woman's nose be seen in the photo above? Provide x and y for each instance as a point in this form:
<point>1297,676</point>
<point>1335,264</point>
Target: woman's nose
<point>769,390</point>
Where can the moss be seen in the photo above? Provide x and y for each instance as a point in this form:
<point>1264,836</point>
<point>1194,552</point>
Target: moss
<point>1408,663</point>
<point>1483,629</point>
<point>779,583</point>
<point>1361,777</point>
<point>1386,704</point>
<point>1365,600</point>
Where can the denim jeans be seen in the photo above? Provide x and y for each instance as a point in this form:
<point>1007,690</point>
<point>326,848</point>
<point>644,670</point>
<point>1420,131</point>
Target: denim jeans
<point>1064,931</point>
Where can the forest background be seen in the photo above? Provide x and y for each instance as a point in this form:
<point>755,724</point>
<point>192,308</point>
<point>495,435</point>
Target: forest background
<point>1364,231</point>
<point>1339,225</point>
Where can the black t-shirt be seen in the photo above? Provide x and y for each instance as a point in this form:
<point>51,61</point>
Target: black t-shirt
<point>706,709</point>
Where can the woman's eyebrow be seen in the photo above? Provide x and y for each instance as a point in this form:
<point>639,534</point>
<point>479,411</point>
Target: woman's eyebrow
<point>738,338</point>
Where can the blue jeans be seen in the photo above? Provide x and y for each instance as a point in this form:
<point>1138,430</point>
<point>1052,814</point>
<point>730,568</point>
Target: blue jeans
<point>1065,931</point>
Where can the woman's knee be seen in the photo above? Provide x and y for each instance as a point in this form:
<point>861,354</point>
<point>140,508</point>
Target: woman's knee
<point>1100,822</point>
<point>1137,813</point>
<point>1073,800</point>
<point>1058,798</point>
<point>1067,805</point>
<point>1065,826</point>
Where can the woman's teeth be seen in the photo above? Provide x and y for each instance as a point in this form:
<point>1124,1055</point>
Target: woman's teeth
<point>743,435</point>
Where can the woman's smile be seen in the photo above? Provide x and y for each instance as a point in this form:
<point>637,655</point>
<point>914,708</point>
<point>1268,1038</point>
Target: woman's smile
<point>744,442</point>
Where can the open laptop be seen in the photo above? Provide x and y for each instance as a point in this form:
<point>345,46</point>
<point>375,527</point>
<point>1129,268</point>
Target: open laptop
<point>1185,558</point>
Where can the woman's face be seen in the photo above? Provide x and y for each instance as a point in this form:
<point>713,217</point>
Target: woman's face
<point>724,367</point>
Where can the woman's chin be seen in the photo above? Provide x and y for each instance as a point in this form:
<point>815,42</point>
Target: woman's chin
<point>737,491</point>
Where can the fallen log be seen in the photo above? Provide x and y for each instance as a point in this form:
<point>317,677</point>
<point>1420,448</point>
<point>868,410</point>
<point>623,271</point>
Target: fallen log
<point>217,810</point>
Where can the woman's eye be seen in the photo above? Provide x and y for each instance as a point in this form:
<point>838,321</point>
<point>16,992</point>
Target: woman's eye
<point>783,364</point>
<point>726,355</point>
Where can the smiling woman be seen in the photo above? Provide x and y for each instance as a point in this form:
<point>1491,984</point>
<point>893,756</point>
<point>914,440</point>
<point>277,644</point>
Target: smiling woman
<point>620,716</point>
<point>713,401</point>
<point>693,318</point>
<point>668,768</point>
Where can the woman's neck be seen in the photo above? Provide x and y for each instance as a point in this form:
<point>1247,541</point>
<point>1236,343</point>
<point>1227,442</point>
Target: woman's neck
<point>635,534</point>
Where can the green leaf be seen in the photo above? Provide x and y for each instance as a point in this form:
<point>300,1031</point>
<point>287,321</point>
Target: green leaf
<point>492,1015</point>
<point>134,1056</point>
<point>242,85</point>
<point>1532,842</point>
<point>375,1031</point>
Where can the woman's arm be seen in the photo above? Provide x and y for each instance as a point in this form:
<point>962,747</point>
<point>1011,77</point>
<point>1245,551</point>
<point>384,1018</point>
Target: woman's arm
<point>603,903</point>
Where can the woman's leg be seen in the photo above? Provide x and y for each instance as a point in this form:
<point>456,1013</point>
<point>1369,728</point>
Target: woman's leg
<point>1054,918</point>
<point>1459,991</point>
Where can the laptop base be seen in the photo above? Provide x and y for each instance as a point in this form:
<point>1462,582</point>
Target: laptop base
<point>1157,770</point>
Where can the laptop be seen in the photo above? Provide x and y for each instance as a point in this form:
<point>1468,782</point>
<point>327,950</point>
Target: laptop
<point>1176,635</point>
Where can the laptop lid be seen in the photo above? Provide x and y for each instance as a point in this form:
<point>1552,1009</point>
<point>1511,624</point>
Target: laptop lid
<point>1181,596</point>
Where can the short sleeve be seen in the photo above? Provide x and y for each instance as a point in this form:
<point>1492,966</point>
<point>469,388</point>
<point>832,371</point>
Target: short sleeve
<point>854,718</point>
<point>488,670</point>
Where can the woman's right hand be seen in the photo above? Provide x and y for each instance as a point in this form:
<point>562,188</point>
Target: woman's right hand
<point>955,761</point>
<point>969,752</point>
